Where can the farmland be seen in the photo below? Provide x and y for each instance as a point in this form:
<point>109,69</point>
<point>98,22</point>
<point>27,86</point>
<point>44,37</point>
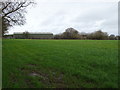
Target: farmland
<point>60,63</point>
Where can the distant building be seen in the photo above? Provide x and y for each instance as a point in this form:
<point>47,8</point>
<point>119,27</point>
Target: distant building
<point>32,35</point>
<point>8,36</point>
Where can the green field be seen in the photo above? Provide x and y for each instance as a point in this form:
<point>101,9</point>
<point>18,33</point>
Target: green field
<point>60,63</point>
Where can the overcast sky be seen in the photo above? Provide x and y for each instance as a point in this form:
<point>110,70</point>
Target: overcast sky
<point>84,15</point>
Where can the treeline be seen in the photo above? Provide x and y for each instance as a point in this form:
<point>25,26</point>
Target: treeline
<point>71,33</point>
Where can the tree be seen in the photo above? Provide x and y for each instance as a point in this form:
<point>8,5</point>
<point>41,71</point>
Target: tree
<point>118,37</point>
<point>13,13</point>
<point>83,35</point>
<point>58,36</point>
<point>112,37</point>
<point>70,33</point>
<point>98,35</point>
<point>26,34</point>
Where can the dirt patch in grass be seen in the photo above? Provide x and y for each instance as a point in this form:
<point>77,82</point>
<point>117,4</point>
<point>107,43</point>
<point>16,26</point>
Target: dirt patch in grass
<point>32,65</point>
<point>38,74</point>
<point>29,83</point>
<point>34,74</point>
<point>13,78</point>
<point>23,69</point>
<point>49,79</point>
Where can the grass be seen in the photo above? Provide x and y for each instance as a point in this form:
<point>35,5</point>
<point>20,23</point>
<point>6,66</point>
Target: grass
<point>60,63</point>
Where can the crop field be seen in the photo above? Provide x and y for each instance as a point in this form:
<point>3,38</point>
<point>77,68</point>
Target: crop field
<point>59,63</point>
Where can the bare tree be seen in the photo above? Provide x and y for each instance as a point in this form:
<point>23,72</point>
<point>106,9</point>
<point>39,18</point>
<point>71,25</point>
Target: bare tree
<point>71,33</point>
<point>98,35</point>
<point>13,13</point>
<point>112,37</point>
<point>26,34</point>
<point>118,37</point>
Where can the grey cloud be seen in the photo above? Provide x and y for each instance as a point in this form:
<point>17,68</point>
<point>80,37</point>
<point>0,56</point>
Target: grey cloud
<point>56,17</point>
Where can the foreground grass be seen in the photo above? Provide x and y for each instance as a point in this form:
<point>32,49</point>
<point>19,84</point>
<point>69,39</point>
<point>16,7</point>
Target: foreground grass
<point>60,63</point>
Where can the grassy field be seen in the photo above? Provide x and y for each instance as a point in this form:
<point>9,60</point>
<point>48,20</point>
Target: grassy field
<point>60,63</point>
